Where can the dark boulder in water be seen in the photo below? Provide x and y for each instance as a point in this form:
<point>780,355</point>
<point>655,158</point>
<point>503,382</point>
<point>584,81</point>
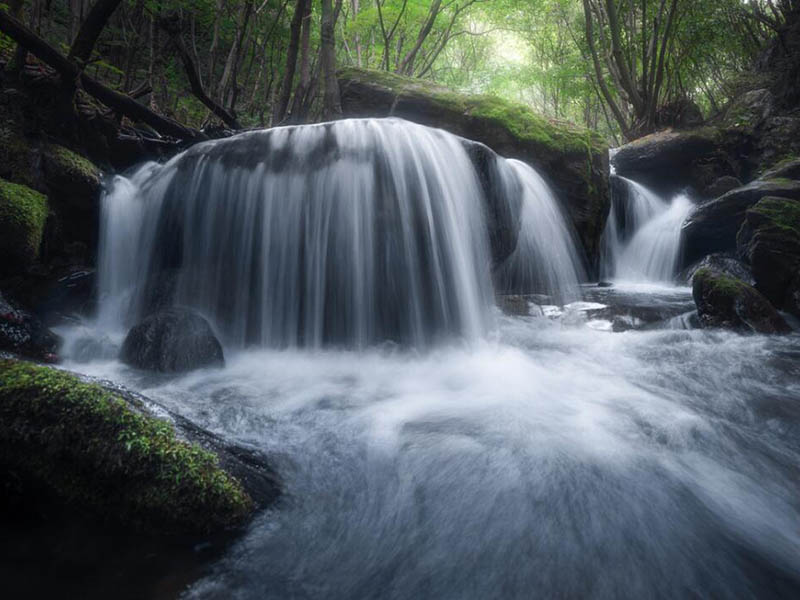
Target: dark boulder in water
<point>721,263</point>
<point>769,240</point>
<point>726,302</point>
<point>175,339</point>
<point>714,224</point>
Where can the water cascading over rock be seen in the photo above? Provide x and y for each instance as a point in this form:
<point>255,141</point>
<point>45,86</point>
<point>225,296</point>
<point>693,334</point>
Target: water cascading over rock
<point>348,233</point>
<point>642,241</point>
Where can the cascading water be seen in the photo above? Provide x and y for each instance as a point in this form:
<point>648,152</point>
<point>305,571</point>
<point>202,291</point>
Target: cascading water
<point>552,459</point>
<point>543,233</point>
<point>348,233</point>
<point>643,234</point>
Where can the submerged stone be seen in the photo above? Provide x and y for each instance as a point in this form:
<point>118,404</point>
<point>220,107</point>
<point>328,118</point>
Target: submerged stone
<point>172,340</point>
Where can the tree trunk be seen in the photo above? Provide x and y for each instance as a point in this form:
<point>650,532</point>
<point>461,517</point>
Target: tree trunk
<point>279,111</point>
<point>91,29</point>
<point>331,102</point>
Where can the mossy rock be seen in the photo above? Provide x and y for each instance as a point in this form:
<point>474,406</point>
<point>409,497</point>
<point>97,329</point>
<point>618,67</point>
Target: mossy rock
<point>714,224</point>
<point>71,177</point>
<point>23,213</point>
<point>726,302</point>
<point>769,240</point>
<point>574,160</point>
<point>80,445</point>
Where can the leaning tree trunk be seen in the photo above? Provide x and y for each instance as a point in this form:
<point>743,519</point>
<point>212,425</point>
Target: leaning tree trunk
<point>91,29</point>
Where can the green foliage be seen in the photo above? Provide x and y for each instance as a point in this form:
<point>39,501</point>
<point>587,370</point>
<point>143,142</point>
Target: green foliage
<point>23,212</point>
<point>86,447</point>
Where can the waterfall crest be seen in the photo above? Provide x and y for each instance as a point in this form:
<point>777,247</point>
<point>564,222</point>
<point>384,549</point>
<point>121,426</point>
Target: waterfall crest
<point>642,240</point>
<point>346,233</point>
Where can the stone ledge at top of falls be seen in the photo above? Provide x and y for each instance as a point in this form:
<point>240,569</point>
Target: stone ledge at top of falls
<point>573,160</point>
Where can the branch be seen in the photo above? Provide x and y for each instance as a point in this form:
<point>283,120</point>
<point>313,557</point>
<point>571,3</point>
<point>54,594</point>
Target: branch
<point>194,77</point>
<point>91,29</point>
<point>69,71</point>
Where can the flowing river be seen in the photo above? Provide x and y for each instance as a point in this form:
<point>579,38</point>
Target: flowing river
<point>429,445</point>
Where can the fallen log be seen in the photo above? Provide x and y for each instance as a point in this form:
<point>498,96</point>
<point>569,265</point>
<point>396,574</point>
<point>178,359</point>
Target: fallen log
<point>71,72</point>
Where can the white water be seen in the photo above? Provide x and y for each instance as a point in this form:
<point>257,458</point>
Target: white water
<point>545,259</point>
<point>556,462</point>
<point>546,457</point>
<point>350,233</point>
<point>643,235</point>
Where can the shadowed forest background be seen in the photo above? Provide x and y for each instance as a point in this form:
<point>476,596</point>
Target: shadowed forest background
<point>621,67</point>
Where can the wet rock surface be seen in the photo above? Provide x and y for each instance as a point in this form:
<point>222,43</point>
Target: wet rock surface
<point>729,303</point>
<point>172,340</point>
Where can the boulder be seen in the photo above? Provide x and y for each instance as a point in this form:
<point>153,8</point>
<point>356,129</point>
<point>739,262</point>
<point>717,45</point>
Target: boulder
<point>71,178</point>
<point>104,454</point>
<point>786,169</point>
<point>724,301</point>
<point>713,225</point>
<point>721,186</point>
<point>668,162</point>
<point>23,213</point>
<point>719,263</point>
<point>172,340</point>
<point>24,334</point>
<point>573,160</point>
<point>769,240</point>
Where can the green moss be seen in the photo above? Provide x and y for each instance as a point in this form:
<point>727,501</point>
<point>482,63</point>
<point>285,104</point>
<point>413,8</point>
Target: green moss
<point>90,449</point>
<point>781,213</point>
<point>721,284</point>
<point>518,119</point>
<point>16,156</point>
<point>23,212</point>
<point>70,162</point>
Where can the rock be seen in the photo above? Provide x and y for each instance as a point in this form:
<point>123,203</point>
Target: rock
<point>727,302</point>
<point>574,161</point>
<point>514,305</point>
<point>90,348</point>
<point>670,161</point>
<point>769,240</point>
<point>174,339</point>
<point>713,225</point>
<point>721,186</point>
<point>23,213</point>
<point>71,177</point>
<point>786,169</point>
<point>104,454</point>
<point>22,333</point>
<point>722,264</point>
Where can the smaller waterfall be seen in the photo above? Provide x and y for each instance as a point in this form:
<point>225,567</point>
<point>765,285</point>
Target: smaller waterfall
<point>642,241</point>
<point>544,232</point>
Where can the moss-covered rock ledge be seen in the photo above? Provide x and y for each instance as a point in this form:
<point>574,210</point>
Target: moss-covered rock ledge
<point>83,446</point>
<point>573,159</point>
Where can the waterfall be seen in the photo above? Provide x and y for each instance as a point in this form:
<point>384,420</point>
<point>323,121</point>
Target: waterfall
<point>642,240</point>
<point>543,233</point>
<point>347,233</point>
